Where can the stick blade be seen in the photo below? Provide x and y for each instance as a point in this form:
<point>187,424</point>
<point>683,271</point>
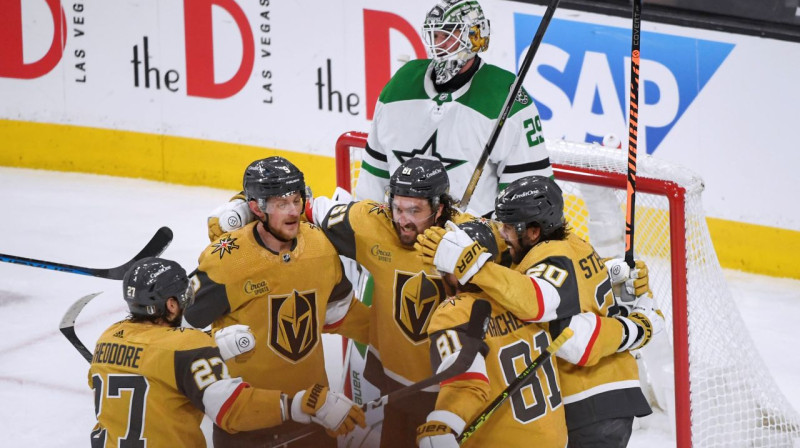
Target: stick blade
<point>67,324</point>
<point>68,320</point>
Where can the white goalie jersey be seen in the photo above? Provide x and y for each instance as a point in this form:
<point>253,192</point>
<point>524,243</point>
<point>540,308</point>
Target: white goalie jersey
<point>412,119</point>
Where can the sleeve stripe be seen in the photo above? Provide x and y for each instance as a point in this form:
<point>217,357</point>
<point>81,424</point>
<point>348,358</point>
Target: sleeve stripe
<point>465,376</point>
<point>229,402</point>
<point>377,172</point>
<point>375,154</point>
<point>526,167</point>
<point>592,340</point>
<point>539,302</point>
<point>336,311</point>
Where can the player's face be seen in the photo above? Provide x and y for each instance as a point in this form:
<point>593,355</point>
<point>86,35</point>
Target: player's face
<point>284,215</point>
<point>411,217</point>
<point>446,41</point>
<point>518,245</point>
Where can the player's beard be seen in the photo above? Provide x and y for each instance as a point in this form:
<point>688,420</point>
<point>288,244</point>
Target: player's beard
<point>176,320</point>
<point>518,249</point>
<point>279,235</point>
<point>407,239</point>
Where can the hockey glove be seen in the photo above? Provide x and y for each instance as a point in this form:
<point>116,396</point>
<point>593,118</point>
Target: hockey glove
<point>332,410</point>
<point>428,242</point>
<point>457,253</point>
<point>435,434</point>
<point>234,340</point>
<point>641,325</point>
<point>627,283</point>
<point>229,217</point>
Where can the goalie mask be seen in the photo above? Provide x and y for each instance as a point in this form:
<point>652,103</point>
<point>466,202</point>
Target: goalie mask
<point>532,199</point>
<point>454,32</point>
<point>150,282</point>
<point>272,177</point>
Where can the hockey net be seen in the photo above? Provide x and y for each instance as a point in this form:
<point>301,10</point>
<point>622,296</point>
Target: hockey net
<point>715,385</point>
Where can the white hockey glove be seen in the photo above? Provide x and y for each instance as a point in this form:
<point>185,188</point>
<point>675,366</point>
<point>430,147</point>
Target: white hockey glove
<point>332,410</point>
<point>440,430</point>
<point>232,215</point>
<point>627,283</point>
<point>644,322</point>
<point>234,340</point>
<point>453,251</point>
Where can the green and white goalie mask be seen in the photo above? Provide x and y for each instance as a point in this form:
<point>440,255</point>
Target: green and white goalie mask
<point>454,32</point>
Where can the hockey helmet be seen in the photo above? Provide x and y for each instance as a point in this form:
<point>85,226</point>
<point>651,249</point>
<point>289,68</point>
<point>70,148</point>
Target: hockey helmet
<point>150,282</point>
<point>272,177</point>
<point>481,232</point>
<point>532,199</point>
<point>420,178</point>
<point>463,32</point>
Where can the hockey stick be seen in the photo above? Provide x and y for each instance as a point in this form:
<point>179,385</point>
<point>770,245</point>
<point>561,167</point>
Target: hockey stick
<point>67,325</point>
<point>154,248</point>
<point>515,385</point>
<point>478,321</point>
<point>633,131</point>
<point>512,95</point>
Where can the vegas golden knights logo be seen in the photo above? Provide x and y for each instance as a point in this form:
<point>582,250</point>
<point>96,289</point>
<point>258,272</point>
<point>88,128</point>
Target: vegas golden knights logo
<point>415,298</point>
<point>293,330</point>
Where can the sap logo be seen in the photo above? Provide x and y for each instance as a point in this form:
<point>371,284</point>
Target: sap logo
<point>580,76</point>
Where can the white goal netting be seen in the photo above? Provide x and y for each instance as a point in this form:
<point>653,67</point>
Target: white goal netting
<point>715,384</point>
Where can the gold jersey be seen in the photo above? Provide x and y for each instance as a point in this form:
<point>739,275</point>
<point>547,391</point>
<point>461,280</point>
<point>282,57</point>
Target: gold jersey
<point>406,290</point>
<point>288,299</point>
<point>535,413</point>
<point>557,279</point>
<point>153,383</point>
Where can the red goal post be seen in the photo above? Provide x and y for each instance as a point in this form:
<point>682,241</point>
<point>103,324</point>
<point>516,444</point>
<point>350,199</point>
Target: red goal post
<point>722,395</point>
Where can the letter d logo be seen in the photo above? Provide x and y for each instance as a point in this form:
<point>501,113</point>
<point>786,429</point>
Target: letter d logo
<point>200,49</point>
<point>377,60</point>
<point>12,64</point>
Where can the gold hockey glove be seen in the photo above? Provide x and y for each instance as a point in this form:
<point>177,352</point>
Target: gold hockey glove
<point>332,410</point>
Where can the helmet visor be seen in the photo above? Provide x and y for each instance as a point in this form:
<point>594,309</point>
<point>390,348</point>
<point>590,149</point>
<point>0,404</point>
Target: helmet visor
<point>288,203</point>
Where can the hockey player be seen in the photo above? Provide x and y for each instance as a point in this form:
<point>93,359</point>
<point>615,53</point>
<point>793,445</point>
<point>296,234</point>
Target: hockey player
<point>283,278</point>
<point>446,107</point>
<point>381,238</point>
<point>507,338</point>
<point>556,273</point>
<point>153,381</point>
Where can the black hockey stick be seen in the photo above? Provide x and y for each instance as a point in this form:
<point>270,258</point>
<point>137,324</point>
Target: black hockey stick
<point>515,385</point>
<point>633,132</point>
<point>67,325</point>
<point>154,248</point>
<point>512,95</point>
<point>478,321</point>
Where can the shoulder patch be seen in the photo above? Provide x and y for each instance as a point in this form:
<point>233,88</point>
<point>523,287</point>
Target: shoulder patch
<point>225,245</point>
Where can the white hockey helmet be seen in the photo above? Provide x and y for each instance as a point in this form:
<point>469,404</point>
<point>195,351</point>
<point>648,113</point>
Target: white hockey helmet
<point>463,32</point>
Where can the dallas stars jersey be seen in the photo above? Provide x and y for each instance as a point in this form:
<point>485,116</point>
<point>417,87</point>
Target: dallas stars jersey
<point>287,299</point>
<point>535,413</point>
<point>406,290</point>
<point>412,119</point>
<point>557,279</point>
<point>152,384</point>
